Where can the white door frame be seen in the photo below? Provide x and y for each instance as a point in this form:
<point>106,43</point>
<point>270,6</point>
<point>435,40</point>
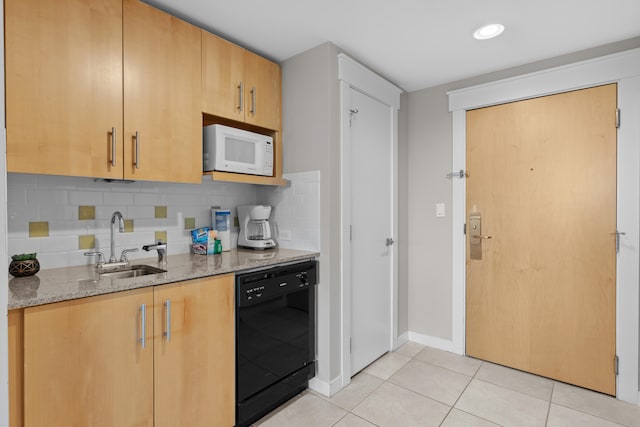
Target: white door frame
<point>354,75</point>
<point>624,69</point>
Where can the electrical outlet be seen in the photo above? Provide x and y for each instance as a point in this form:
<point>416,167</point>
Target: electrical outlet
<point>284,234</point>
<point>440,210</point>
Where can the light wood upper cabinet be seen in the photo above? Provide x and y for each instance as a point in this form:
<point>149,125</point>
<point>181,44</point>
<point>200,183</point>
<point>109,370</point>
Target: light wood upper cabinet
<point>264,90</point>
<point>84,78</point>
<point>162,96</point>
<point>84,365</point>
<point>222,78</point>
<point>194,363</point>
<point>240,85</point>
<point>63,86</point>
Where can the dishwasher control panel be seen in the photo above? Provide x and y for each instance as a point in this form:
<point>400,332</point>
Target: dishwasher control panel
<point>264,284</point>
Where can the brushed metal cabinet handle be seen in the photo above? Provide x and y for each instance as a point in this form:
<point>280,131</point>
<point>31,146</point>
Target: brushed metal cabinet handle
<point>167,334</point>
<point>113,146</point>
<point>143,326</point>
<point>253,100</point>
<point>241,98</point>
<point>137,162</point>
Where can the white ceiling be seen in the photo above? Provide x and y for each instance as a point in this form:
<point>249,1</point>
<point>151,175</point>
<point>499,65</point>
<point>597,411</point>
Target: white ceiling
<point>417,43</point>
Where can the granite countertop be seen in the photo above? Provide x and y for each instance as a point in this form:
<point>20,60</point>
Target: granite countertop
<point>62,284</point>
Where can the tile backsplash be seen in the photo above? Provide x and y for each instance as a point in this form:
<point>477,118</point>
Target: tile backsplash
<point>60,217</point>
<point>296,211</point>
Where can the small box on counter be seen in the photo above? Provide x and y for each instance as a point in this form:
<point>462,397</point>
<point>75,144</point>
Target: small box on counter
<point>203,241</point>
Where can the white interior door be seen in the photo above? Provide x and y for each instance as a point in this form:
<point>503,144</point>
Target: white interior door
<point>371,157</point>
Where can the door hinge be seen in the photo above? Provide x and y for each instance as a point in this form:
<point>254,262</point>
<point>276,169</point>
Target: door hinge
<point>349,345</point>
<point>616,363</point>
<point>617,118</point>
<point>464,228</point>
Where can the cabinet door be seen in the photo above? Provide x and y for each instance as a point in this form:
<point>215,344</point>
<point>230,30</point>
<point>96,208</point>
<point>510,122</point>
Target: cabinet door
<point>64,86</point>
<point>195,364</point>
<point>83,364</point>
<point>162,96</point>
<point>222,78</point>
<point>263,92</point>
<point>16,365</point>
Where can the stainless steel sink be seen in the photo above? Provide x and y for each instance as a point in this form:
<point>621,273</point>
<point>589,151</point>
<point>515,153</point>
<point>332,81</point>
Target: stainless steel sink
<point>132,271</point>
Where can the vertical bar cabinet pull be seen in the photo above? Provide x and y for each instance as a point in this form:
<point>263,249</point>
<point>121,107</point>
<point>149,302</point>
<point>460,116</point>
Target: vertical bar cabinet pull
<point>143,325</point>
<point>167,334</point>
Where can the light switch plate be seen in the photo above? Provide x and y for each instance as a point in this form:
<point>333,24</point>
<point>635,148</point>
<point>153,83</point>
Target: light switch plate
<point>440,210</point>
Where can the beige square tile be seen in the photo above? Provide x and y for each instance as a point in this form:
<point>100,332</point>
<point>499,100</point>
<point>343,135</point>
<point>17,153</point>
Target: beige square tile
<point>160,212</point>
<point>351,420</point>
<point>432,381</point>
<point>387,365</point>
<point>502,406</point>
<point>161,236</point>
<point>86,241</point>
<point>38,229</point>
<point>128,226</point>
<point>410,349</point>
<point>86,212</point>
<point>458,418</point>
<point>515,380</point>
<point>189,223</point>
<point>306,410</point>
<point>394,406</point>
<point>461,364</point>
<point>559,416</point>
<point>361,386</point>
<point>596,404</point>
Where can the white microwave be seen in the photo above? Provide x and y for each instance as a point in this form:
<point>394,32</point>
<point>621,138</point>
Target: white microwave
<point>229,149</point>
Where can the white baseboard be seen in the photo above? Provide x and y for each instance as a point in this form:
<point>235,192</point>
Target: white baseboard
<point>325,388</point>
<point>428,340</point>
<point>401,340</point>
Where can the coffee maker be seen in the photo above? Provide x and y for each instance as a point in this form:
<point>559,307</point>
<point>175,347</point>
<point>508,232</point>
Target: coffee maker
<point>255,231</point>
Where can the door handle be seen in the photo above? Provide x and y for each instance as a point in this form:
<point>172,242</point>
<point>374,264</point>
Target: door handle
<point>475,229</point>
<point>475,236</point>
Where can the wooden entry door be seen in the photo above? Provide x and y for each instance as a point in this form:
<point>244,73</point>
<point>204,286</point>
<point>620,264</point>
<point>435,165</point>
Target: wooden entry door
<point>540,285</point>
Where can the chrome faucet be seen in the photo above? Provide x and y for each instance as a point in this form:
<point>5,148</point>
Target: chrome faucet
<point>162,251</point>
<point>116,215</point>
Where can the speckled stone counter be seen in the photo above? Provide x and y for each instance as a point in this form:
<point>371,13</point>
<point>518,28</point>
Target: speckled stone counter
<point>62,284</point>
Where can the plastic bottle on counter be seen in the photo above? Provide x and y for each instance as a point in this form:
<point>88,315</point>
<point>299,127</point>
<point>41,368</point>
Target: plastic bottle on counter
<point>222,224</point>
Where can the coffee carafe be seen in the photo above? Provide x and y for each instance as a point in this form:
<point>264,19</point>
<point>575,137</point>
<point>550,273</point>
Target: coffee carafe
<point>255,230</point>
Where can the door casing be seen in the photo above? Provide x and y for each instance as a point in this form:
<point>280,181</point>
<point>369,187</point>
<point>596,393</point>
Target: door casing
<point>352,74</point>
<point>624,69</point>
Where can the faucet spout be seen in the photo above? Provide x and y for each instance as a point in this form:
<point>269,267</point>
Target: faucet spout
<point>116,215</point>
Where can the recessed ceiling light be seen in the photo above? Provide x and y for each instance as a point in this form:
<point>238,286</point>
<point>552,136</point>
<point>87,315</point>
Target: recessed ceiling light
<point>488,32</point>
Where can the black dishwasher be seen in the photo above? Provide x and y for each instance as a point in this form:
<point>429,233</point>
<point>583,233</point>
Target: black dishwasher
<point>275,337</point>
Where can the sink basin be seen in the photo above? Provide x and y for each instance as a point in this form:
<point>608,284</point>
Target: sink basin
<point>132,271</point>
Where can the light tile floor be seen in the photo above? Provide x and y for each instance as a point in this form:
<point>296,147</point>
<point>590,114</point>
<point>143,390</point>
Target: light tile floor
<point>422,386</point>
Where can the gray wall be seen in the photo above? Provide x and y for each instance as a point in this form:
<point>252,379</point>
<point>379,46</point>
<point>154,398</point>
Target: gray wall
<point>311,141</point>
<point>430,153</point>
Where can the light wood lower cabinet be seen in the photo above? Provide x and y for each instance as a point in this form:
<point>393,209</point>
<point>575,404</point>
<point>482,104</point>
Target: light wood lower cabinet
<point>194,363</point>
<point>85,364</point>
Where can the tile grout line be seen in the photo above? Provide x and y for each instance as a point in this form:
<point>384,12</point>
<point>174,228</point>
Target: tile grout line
<point>553,386</point>
<point>465,389</point>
